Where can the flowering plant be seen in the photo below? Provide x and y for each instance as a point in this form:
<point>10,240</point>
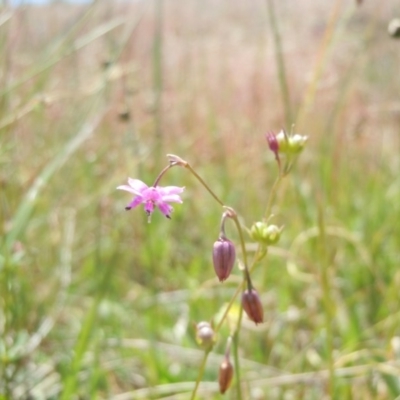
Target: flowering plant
<point>285,147</point>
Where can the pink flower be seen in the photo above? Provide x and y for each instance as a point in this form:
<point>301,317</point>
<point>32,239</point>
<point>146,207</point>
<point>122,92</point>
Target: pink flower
<point>152,196</point>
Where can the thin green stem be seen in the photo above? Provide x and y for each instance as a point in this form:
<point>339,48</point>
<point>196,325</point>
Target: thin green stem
<point>176,160</point>
<point>200,374</point>
<point>228,307</point>
<point>272,195</point>
<point>327,301</point>
<point>236,356</point>
<point>200,179</point>
<point>246,277</point>
<point>160,175</point>
<point>233,215</point>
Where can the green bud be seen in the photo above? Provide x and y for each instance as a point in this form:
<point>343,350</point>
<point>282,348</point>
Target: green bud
<point>296,143</point>
<point>265,234</point>
<point>272,234</point>
<point>283,142</point>
<point>256,231</point>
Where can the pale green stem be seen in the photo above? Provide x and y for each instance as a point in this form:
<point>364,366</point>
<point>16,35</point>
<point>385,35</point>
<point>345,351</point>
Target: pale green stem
<point>246,278</point>
<point>200,374</point>
<point>233,215</point>
<point>326,289</point>
<point>199,178</point>
<point>160,175</point>
<point>236,357</point>
<point>228,307</point>
<point>272,195</point>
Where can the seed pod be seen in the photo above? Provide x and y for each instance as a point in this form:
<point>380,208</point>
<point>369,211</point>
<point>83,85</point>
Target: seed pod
<point>224,255</point>
<point>252,306</point>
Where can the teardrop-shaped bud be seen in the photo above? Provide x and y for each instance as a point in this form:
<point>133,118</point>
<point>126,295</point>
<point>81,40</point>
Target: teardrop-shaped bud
<point>252,306</point>
<point>273,143</point>
<point>224,255</point>
<point>225,375</point>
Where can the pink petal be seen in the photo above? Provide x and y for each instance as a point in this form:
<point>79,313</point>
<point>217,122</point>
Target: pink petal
<point>127,188</point>
<point>137,185</point>
<point>149,207</point>
<point>151,194</point>
<point>165,208</point>
<point>169,190</point>
<point>172,198</point>
<point>135,202</point>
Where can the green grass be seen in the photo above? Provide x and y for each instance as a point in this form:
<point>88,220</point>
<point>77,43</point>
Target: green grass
<point>96,303</point>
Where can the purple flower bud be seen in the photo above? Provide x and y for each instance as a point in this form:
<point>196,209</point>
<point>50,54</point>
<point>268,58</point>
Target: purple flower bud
<point>272,142</point>
<point>274,145</point>
<point>224,255</point>
<point>252,306</point>
<point>225,375</point>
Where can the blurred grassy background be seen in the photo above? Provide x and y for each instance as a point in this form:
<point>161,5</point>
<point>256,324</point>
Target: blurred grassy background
<point>94,302</point>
